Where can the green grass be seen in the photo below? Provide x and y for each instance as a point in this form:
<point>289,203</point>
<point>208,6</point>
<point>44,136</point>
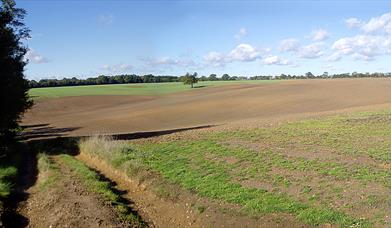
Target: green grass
<point>330,170</point>
<point>94,184</point>
<point>7,173</point>
<point>48,171</point>
<point>147,89</point>
<point>9,165</point>
<point>186,165</point>
<point>364,134</point>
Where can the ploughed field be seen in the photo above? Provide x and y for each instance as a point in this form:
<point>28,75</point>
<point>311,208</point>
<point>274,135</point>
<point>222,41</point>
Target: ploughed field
<point>255,154</point>
<point>217,104</point>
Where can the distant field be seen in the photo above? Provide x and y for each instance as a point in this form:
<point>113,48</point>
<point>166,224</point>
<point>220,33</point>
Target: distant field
<point>146,89</point>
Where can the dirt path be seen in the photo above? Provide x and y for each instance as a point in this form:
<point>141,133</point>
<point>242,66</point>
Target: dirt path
<point>65,202</point>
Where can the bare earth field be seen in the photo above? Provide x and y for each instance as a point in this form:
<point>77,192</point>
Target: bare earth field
<point>299,153</point>
<point>222,105</point>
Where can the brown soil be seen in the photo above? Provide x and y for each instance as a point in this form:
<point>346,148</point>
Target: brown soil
<point>211,106</point>
<point>227,106</point>
<point>66,203</point>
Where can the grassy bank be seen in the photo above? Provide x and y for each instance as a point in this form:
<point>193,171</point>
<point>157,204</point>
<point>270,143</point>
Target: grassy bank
<point>332,170</point>
<point>146,89</point>
<point>94,184</point>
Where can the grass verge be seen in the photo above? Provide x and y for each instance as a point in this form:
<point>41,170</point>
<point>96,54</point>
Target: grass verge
<point>94,184</point>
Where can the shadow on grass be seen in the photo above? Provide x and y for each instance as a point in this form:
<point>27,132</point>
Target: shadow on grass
<point>24,158</point>
<point>199,86</point>
<point>42,138</point>
<point>27,176</point>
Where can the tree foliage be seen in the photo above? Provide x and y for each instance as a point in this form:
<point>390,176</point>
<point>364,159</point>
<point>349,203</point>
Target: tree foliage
<point>102,79</point>
<point>190,79</point>
<point>212,77</point>
<point>225,77</point>
<point>14,100</point>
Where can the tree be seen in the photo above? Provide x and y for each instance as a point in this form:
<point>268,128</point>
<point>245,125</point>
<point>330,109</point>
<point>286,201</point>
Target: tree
<point>309,75</point>
<point>203,78</point>
<point>190,79</point>
<point>225,77</point>
<point>212,77</point>
<point>102,79</point>
<point>14,100</point>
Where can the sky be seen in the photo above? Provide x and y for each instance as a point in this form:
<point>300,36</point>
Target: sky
<point>82,39</point>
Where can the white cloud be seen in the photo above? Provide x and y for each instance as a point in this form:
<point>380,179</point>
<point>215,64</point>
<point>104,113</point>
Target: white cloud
<point>311,51</point>
<point>378,24</point>
<point>375,41</point>
<point>34,57</point>
<point>289,45</point>
<point>334,57</point>
<point>361,47</point>
<point>168,62</point>
<point>244,53</point>
<point>106,19</point>
<point>118,68</point>
<point>242,33</point>
<point>215,59</point>
<point>164,61</point>
<point>241,53</point>
<point>319,35</point>
<point>353,22</point>
<point>275,60</point>
<point>363,57</point>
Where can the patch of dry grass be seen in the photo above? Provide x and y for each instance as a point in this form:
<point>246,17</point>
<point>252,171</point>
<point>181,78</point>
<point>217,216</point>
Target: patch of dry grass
<point>103,146</point>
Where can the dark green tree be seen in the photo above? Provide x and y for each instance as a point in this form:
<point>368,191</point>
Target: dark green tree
<point>225,77</point>
<point>212,77</point>
<point>309,75</point>
<point>14,99</point>
<point>190,79</point>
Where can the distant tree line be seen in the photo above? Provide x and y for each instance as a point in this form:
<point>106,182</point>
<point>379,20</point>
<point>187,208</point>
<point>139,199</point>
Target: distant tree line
<point>102,79</point>
<point>326,75</point>
<point>132,78</point>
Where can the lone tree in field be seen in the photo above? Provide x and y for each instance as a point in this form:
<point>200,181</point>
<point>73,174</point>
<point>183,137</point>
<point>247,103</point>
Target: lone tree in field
<point>14,100</point>
<point>190,79</point>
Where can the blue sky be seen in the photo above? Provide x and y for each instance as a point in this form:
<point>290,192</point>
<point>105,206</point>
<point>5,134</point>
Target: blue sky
<point>88,38</point>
